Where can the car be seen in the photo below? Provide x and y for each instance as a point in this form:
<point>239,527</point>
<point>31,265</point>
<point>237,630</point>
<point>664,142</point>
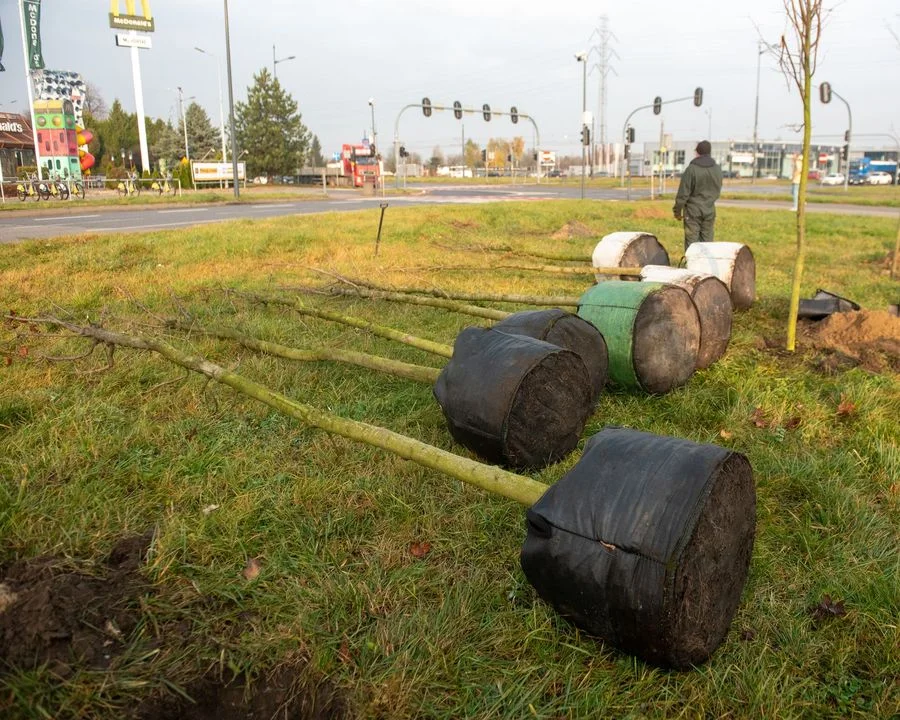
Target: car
<point>880,178</point>
<point>857,179</point>
<point>813,175</point>
<point>554,173</point>
<point>833,179</point>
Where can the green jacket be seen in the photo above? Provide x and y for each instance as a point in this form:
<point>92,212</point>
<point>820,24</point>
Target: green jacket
<point>699,189</point>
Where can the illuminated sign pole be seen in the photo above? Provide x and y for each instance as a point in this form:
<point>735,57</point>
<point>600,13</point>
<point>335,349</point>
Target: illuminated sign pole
<point>32,60</point>
<point>134,23</point>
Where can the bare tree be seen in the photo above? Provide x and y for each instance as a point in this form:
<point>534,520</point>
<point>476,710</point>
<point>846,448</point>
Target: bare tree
<point>798,57</point>
<point>94,104</point>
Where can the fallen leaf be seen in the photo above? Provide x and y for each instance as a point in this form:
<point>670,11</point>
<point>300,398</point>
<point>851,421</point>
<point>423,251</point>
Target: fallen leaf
<point>7,597</point>
<point>758,418</point>
<point>112,629</point>
<point>209,508</point>
<point>828,608</point>
<point>7,360</point>
<point>748,634</point>
<point>23,351</point>
<point>251,569</point>
<point>419,549</point>
<point>344,653</point>
<point>793,423</point>
<point>725,434</point>
<point>845,408</point>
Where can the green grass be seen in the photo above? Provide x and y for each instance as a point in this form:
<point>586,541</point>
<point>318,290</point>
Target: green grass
<point>87,458</point>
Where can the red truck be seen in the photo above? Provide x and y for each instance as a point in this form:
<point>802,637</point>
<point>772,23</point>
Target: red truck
<point>360,162</point>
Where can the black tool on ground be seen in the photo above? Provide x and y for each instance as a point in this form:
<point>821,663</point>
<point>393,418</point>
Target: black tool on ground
<point>823,304</point>
<point>565,330</point>
<point>646,543</point>
<point>383,207</point>
<point>512,399</point>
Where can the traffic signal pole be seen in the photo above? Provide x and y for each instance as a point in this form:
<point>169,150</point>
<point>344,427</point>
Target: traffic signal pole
<point>430,107</point>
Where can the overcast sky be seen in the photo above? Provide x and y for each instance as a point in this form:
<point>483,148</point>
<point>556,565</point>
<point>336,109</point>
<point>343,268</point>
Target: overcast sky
<point>501,52</point>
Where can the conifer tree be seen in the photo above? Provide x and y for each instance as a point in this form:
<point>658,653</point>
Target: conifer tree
<point>269,128</point>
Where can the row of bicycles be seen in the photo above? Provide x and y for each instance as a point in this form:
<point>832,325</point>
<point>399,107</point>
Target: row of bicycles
<point>131,185</point>
<point>55,187</point>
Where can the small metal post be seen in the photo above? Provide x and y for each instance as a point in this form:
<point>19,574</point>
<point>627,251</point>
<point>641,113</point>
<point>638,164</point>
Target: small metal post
<point>383,207</point>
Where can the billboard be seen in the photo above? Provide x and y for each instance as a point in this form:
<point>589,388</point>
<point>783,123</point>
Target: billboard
<point>215,172</point>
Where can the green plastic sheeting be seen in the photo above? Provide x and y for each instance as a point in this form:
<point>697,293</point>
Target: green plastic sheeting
<point>612,308</point>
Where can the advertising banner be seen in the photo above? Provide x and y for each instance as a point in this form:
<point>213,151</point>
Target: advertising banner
<point>33,33</point>
<point>61,85</point>
<point>214,172</point>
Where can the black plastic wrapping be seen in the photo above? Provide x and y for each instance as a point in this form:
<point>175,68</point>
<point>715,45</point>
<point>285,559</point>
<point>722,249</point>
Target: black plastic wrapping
<point>512,399</point>
<point>612,546</point>
<point>565,330</point>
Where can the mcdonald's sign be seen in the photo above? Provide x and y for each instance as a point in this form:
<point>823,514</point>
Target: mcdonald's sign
<point>130,20</point>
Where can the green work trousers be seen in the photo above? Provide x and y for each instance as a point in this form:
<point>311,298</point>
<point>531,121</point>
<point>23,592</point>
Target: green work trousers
<point>698,226</point>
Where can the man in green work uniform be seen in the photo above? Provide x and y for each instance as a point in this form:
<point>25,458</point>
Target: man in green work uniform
<point>698,191</point>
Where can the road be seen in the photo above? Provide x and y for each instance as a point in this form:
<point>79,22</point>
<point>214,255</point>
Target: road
<point>76,219</point>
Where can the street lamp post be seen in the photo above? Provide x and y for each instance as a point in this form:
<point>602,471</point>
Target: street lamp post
<point>374,136</point>
<point>221,104</point>
<point>761,49</point>
<point>582,58</point>
<point>234,158</point>
<point>709,125</point>
<point>281,60</point>
<point>187,152</point>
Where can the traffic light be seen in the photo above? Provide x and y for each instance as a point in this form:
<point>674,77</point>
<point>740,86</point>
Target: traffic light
<point>629,135</point>
<point>426,107</point>
<point>845,152</point>
<point>698,97</point>
<point>484,156</point>
<point>585,135</point>
<point>457,109</point>
<point>627,151</point>
<point>403,152</point>
<point>657,105</point>
<point>514,114</point>
<point>846,136</point>
<point>486,109</point>
<point>534,156</point>
<point>509,157</point>
<point>825,93</point>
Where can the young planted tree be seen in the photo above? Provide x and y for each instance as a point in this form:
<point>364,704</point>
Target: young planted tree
<point>798,57</point>
<point>270,129</point>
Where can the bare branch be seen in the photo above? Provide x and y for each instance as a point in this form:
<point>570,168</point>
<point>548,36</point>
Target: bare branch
<point>71,358</point>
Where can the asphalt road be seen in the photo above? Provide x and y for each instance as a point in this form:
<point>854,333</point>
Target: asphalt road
<point>84,218</point>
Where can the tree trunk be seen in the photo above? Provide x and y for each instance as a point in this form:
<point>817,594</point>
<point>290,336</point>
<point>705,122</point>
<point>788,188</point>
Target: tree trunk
<point>418,373</point>
<point>801,203</point>
<point>487,477</point>
<point>422,344</point>
<point>446,304</point>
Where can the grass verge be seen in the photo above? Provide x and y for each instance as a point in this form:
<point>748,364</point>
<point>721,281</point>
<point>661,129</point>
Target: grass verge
<point>276,547</point>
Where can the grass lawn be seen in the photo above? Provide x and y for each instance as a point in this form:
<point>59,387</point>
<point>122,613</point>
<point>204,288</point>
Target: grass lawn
<point>281,556</point>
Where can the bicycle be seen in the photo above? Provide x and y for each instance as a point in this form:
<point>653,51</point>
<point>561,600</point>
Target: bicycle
<point>58,188</point>
<point>31,187</point>
<point>129,186</point>
<point>163,185</point>
<point>77,189</point>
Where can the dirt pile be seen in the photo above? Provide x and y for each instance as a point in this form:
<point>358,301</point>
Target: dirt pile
<point>869,337</point>
<point>50,614</point>
<point>573,229</point>
<point>283,694</point>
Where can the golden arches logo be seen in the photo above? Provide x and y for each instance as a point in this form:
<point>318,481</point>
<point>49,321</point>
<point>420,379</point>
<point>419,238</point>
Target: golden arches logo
<point>130,8</point>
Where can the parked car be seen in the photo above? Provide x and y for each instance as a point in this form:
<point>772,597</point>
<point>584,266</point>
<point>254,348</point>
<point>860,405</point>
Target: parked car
<point>813,175</point>
<point>880,178</point>
<point>553,173</point>
<point>833,179</point>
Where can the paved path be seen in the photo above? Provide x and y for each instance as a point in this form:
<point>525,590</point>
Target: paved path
<point>78,219</point>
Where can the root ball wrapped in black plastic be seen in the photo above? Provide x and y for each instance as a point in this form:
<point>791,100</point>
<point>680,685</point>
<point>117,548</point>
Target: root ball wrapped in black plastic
<point>565,330</point>
<point>514,400</point>
<point>646,544</point>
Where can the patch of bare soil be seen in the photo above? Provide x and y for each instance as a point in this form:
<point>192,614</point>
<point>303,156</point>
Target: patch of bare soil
<point>870,338</point>
<point>284,694</point>
<point>651,213</point>
<point>50,614</point>
<point>66,619</point>
<point>573,229</point>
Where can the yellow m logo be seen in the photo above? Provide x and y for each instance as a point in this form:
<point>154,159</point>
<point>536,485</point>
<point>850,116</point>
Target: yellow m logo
<point>129,8</point>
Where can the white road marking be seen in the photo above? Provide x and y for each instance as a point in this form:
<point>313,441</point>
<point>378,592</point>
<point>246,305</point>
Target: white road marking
<point>185,210</point>
<point>64,219</point>
<point>140,227</point>
<point>267,205</point>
